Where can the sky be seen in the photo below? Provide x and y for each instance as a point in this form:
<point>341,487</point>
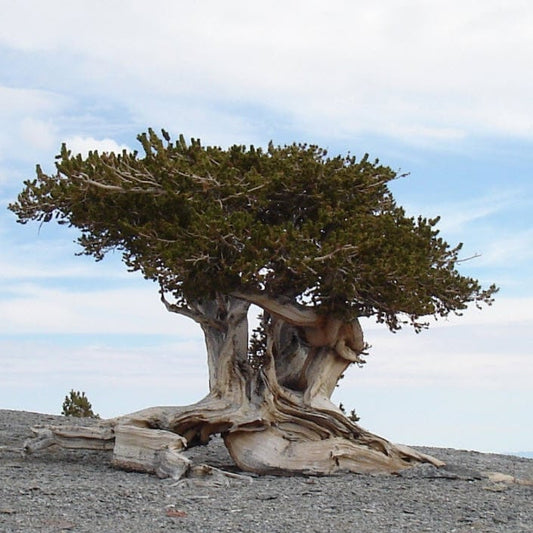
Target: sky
<point>439,89</point>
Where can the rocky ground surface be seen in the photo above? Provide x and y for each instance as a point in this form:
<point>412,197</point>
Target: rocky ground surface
<point>57,490</point>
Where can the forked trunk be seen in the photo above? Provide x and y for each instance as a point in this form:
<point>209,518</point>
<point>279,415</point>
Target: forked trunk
<point>275,414</point>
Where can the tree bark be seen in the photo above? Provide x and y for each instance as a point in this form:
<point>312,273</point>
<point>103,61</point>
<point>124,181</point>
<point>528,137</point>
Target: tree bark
<point>276,417</point>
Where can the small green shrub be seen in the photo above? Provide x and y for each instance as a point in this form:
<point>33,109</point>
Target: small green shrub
<point>78,405</point>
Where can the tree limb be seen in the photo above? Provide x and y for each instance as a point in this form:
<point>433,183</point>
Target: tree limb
<point>290,313</point>
<point>185,310</point>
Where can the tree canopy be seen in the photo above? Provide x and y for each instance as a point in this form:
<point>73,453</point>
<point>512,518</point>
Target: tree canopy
<point>290,222</point>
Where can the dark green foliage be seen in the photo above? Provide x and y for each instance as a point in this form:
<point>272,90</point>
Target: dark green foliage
<point>352,416</point>
<point>76,404</point>
<point>257,351</point>
<point>289,221</point>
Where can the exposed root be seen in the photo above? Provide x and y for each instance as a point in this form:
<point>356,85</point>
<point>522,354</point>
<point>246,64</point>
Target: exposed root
<point>299,442</point>
<point>72,437</point>
<point>498,478</point>
<point>208,476</point>
<point>154,451</point>
<point>136,449</point>
<point>278,453</point>
<point>411,456</point>
<point>280,434</point>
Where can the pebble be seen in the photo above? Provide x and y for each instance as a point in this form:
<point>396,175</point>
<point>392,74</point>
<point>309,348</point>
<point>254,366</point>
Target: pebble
<point>72,490</point>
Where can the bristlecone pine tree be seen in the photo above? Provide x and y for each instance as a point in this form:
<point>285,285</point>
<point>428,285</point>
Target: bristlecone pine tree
<point>315,241</point>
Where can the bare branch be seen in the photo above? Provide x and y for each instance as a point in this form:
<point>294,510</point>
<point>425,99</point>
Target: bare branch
<point>290,313</point>
<point>157,191</point>
<point>186,310</point>
<point>475,256</point>
<point>346,247</point>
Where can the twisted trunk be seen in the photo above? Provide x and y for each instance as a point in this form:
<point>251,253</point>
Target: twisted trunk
<point>276,417</point>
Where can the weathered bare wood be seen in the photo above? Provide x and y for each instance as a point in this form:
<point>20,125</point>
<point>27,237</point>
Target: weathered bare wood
<point>276,418</point>
<point>418,457</point>
<point>292,314</point>
<point>272,452</point>
<point>500,478</point>
<point>73,437</point>
<point>154,451</point>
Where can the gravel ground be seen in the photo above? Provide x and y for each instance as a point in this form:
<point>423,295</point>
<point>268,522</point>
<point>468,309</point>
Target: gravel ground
<point>57,490</point>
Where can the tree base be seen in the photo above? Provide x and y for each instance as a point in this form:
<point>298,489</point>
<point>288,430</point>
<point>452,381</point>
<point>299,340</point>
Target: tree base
<point>153,440</point>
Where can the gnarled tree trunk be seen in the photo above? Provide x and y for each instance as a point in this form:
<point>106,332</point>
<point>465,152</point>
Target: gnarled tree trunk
<point>275,415</point>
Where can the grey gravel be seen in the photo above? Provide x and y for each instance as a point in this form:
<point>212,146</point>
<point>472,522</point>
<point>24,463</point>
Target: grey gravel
<point>64,490</point>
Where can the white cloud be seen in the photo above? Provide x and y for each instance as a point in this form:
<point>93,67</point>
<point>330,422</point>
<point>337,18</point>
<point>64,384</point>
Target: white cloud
<point>31,252</point>
<point>12,271</point>
<point>32,263</point>
<point>510,248</point>
<point>21,101</point>
<point>494,357</point>
<point>446,386</point>
<point>38,373</point>
<point>27,129</point>
<point>38,134</point>
<point>494,228</point>
<point>3,179</point>
<point>456,216</point>
<point>101,357</point>
<point>82,145</point>
<point>505,311</point>
<point>408,69</point>
<point>31,308</point>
